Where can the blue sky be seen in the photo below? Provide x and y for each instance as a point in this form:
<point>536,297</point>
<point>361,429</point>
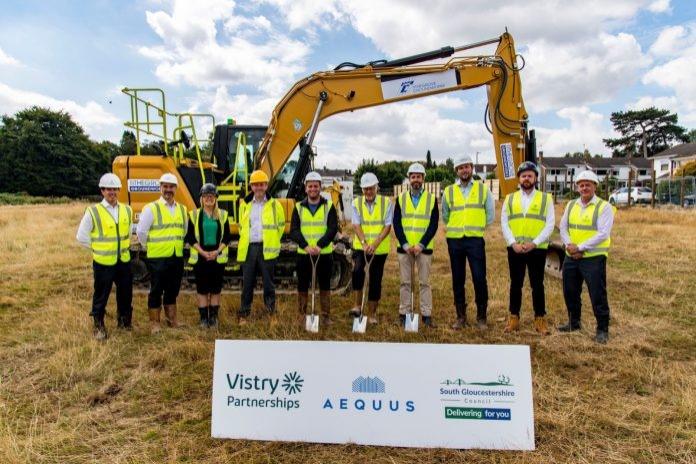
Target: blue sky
<point>584,59</point>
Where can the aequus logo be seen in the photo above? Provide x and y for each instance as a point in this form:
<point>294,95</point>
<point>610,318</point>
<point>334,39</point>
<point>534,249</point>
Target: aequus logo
<point>368,385</point>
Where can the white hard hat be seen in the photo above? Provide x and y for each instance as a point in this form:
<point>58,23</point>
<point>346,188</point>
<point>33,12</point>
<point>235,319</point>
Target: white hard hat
<point>368,180</point>
<point>466,159</point>
<point>168,178</point>
<point>416,168</point>
<point>109,180</point>
<point>312,176</point>
<point>587,175</point>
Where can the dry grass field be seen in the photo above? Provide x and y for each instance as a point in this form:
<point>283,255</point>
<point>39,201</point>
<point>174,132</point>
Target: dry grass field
<point>65,398</point>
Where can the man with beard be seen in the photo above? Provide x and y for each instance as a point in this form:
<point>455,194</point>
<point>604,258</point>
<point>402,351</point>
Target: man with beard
<point>467,208</point>
<point>527,220</point>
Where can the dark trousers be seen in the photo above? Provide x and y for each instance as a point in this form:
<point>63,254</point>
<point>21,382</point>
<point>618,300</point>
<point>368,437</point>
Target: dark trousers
<point>474,250</point>
<point>518,263</point>
<point>165,280</point>
<point>304,272</point>
<point>593,271</point>
<point>250,268</point>
<point>374,292</point>
<point>104,278</point>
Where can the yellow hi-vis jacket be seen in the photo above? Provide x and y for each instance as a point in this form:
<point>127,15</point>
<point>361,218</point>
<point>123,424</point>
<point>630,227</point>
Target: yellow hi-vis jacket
<point>527,226</point>
<point>166,235</point>
<point>272,229</point>
<point>582,225</point>
<point>222,220</point>
<point>467,216</point>
<point>415,220</point>
<point>110,239</point>
<point>372,223</point>
<point>313,227</point>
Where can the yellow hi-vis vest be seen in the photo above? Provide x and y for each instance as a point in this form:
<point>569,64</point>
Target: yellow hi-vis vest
<point>527,226</point>
<point>372,223</point>
<point>313,227</point>
<point>166,235</point>
<point>467,216</point>
<point>582,225</point>
<point>272,229</point>
<point>110,239</point>
<point>415,220</point>
<point>222,220</point>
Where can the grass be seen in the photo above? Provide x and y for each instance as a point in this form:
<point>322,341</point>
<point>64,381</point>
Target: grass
<point>26,199</point>
<point>136,398</point>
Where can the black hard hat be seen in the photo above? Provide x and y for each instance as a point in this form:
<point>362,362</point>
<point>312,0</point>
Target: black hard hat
<point>209,189</point>
<point>527,166</point>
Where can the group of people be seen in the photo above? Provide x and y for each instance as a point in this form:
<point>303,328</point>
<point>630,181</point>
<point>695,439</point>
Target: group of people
<point>468,208</point>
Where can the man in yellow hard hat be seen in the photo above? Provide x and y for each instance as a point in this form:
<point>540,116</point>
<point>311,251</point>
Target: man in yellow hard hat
<point>106,229</point>
<point>261,227</point>
<point>161,229</point>
<point>586,233</point>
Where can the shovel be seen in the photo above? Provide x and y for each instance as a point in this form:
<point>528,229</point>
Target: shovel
<point>312,320</point>
<point>360,322</point>
<point>411,323</point>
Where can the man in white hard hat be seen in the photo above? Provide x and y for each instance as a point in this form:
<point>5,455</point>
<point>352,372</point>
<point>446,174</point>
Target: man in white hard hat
<point>415,223</point>
<point>106,229</point>
<point>467,209</point>
<point>372,219</point>
<point>161,229</point>
<point>586,233</point>
<point>313,227</point>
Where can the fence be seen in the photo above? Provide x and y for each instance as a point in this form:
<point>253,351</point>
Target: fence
<point>680,191</point>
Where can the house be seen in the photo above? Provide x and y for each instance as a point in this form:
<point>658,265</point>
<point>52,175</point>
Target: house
<point>559,172</point>
<point>668,161</point>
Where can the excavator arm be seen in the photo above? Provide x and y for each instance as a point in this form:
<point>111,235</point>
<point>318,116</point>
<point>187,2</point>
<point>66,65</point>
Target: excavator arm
<point>323,94</point>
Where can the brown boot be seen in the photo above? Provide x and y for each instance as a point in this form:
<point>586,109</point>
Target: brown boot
<point>355,310</point>
<point>170,316</point>
<point>325,303</point>
<point>372,312</point>
<point>513,323</point>
<point>154,320</point>
<point>541,326</point>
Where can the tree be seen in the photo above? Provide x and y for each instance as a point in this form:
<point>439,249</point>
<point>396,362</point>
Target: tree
<point>128,143</point>
<point>688,169</point>
<point>644,132</point>
<point>429,161</point>
<point>691,135</point>
<point>43,152</point>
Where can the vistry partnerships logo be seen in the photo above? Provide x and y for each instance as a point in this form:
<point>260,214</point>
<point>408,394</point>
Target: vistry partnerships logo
<point>252,391</point>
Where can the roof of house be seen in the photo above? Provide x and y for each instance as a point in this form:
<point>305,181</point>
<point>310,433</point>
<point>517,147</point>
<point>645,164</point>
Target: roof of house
<point>335,172</point>
<point>559,162</point>
<point>678,151</point>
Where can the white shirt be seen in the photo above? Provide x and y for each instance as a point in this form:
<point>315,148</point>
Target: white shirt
<point>526,201</point>
<point>371,206</point>
<point>86,224</point>
<point>256,226</point>
<point>146,220</point>
<point>605,221</point>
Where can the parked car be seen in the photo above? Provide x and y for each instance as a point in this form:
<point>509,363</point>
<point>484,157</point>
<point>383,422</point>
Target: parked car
<point>638,195</point>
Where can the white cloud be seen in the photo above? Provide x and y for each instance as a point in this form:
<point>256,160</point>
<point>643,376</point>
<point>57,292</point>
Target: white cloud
<point>669,41</point>
<point>586,130</point>
<point>94,119</point>
<point>660,6</point>
<point>7,60</point>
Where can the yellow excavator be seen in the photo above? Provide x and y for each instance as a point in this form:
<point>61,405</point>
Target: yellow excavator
<point>283,149</point>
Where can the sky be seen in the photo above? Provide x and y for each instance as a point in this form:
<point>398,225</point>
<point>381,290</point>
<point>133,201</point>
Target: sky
<point>584,59</point>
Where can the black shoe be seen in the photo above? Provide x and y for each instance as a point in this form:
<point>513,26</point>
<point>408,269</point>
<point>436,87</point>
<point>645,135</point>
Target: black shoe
<point>481,324</point>
<point>99,328</point>
<point>428,321</point>
<point>213,316</point>
<point>569,327</point>
<point>124,322</point>
<point>354,312</point>
<point>402,320</point>
<point>205,315</point>
<point>602,337</point>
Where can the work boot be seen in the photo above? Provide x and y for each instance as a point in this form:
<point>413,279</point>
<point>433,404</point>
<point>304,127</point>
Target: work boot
<point>602,337</point>
<point>325,303</point>
<point>541,326</point>
<point>460,323</point>
<point>170,316</point>
<point>204,312</point>
<point>372,312</point>
<point>355,310</point>
<point>213,316</point>
<point>481,324</point>
<point>154,314</point>
<point>571,326</point>
<point>124,321</point>
<point>428,322</point>
<point>513,323</point>
<point>402,319</point>
<point>99,328</point>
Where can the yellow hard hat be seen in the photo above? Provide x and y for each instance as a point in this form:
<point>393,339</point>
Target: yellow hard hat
<point>257,177</point>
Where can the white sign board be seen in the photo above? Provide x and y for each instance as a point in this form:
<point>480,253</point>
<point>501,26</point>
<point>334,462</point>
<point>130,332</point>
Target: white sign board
<point>392,394</point>
<point>143,185</point>
<point>413,85</point>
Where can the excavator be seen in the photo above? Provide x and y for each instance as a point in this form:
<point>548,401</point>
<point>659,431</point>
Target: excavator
<point>284,149</point>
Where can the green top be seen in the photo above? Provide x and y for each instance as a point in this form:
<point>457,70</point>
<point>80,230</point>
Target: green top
<point>210,228</point>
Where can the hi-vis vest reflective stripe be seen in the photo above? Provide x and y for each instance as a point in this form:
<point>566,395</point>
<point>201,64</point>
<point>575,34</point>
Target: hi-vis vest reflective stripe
<point>222,220</point>
<point>582,225</point>
<point>313,227</point>
<point>166,235</point>
<point>109,238</point>
<point>415,220</point>
<point>372,223</point>
<point>527,226</point>
<point>467,216</point>
<point>272,228</point>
